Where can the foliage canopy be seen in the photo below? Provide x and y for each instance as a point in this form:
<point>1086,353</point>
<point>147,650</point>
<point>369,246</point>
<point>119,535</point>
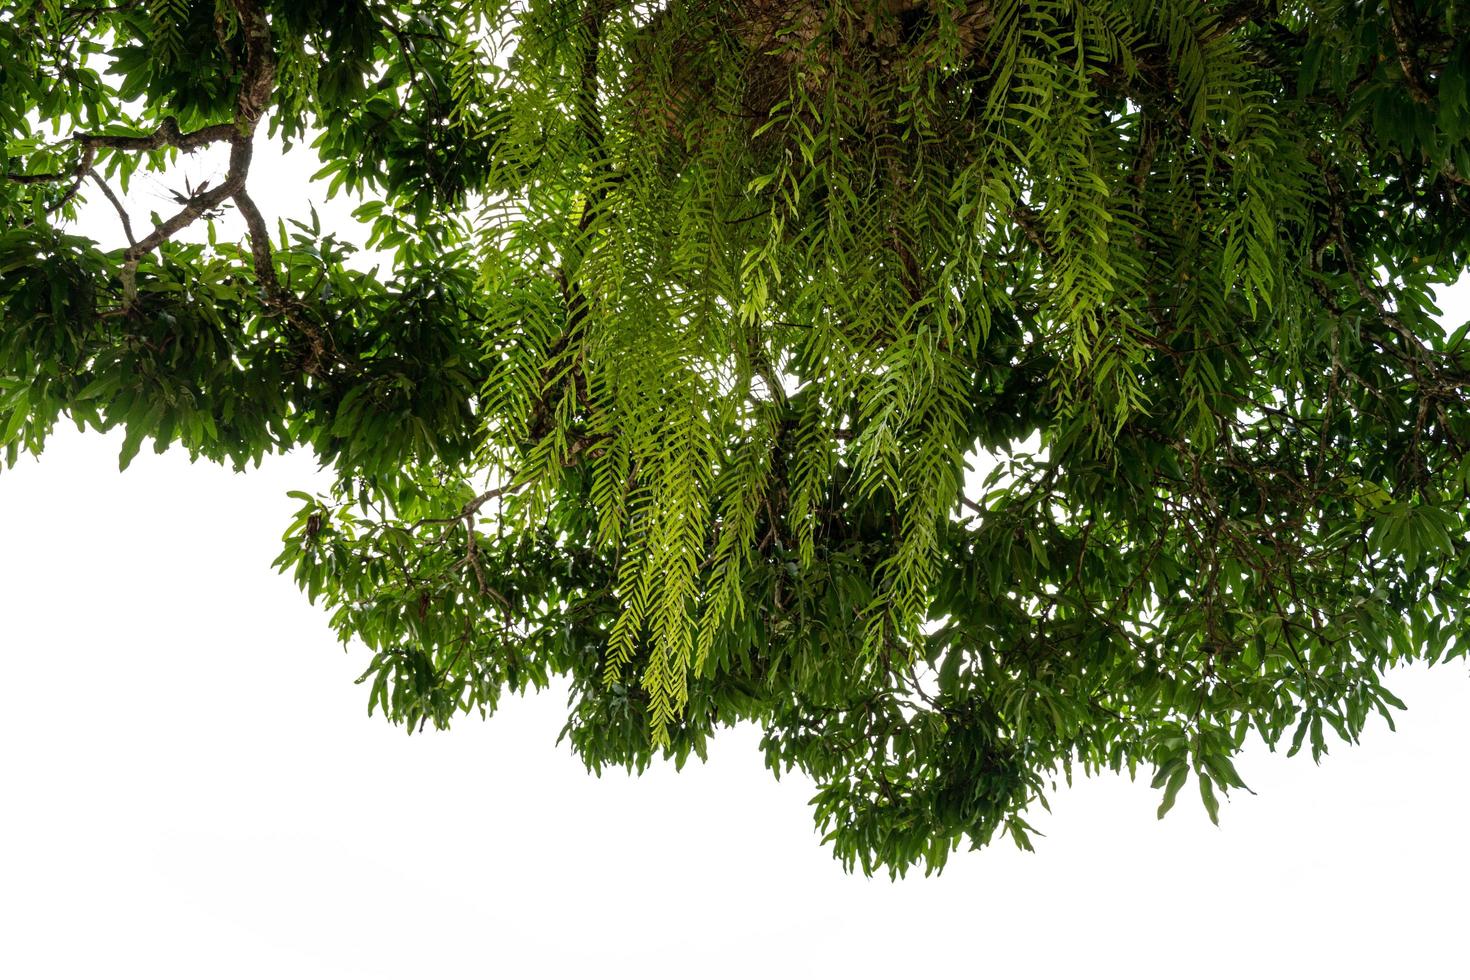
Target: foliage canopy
<point>721,298</point>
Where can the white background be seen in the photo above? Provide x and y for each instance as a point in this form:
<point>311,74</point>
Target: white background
<point>192,788</point>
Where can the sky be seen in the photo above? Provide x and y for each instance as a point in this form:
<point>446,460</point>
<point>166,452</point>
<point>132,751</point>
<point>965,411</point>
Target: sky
<point>190,786</point>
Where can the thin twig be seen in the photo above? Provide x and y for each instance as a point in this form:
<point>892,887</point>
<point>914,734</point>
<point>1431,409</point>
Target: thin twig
<point>117,205</point>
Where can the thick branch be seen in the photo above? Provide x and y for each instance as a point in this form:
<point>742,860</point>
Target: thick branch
<point>277,297</point>
<point>251,101</point>
<point>1233,18</point>
<point>260,65</point>
<point>250,105</point>
<point>1401,22</point>
<point>167,134</point>
<point>589,117</point>
<point>260,247</point>
<point>44,178</point>
<point>241,151</point>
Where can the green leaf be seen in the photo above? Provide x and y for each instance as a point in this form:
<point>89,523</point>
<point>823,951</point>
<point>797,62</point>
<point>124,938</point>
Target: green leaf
<point>1207,794</point>
<point>1174,783</point>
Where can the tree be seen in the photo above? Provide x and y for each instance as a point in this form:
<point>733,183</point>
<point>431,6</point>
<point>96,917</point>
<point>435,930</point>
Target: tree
<point>698,313</point>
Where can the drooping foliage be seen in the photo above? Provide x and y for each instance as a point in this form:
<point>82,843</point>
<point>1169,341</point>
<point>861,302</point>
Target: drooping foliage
<point>962,392</point>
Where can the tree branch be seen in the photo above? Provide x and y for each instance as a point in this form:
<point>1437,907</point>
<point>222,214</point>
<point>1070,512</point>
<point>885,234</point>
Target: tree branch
<point>166,135</point>
<point>1401,22</point>
<point>77,175</point>
<point>117,205</point>
<point>251,102</point>
<point>1233,18</point>
<point>277,296</point>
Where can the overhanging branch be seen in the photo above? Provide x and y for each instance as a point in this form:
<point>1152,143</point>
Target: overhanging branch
<point>258,76</point>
